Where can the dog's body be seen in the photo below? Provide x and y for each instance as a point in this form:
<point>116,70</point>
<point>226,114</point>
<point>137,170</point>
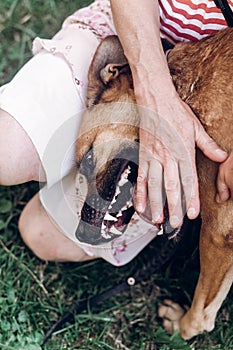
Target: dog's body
<point>202,73</point>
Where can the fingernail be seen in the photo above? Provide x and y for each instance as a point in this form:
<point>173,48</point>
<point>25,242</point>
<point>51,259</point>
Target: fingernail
<point>139,208</point>
<point>221,152</point>
<point>174,220</point>
<point>157,220</point>
<point>191,212</point>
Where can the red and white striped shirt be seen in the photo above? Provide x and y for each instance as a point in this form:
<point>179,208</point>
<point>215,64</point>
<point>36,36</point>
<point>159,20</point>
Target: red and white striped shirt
<point>190,19</point>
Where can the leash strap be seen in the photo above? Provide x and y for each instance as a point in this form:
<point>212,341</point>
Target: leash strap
<point>226,11</point>
<point>168,248</point>
<point>84,305</point>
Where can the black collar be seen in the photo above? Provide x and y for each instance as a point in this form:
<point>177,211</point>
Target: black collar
<point>226,11</point>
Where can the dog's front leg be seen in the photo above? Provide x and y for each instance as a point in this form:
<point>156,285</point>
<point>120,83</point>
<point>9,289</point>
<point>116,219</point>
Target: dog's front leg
<point>216,277</point>
<point>214,282</point>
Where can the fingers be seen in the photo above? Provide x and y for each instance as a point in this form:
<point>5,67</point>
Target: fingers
<point>173,193</point>
<point>149,182</point>
<point>175,173</point>
<point>141,193</point>
<point>190,188</point>
<point>225,180</point>
<point>207,145</point>
<point>153,179</point>
<point>155,184</point>
<point>223,193</point>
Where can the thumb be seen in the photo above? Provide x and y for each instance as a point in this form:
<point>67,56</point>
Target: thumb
<point>225,180</point>
<point>208,146</point>
<point>223,193</point>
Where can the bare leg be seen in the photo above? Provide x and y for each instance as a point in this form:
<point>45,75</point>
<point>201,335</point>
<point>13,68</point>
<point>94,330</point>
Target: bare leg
<point>19,160</point>
<point>44,238</point>
<point>20,163</point>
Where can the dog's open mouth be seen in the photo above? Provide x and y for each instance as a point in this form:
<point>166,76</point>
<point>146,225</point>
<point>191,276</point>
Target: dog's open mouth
<point>121,207</point>
<point>105,216</point>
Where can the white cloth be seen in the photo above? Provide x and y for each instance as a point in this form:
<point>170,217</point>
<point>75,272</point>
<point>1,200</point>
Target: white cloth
<point>44,98</point>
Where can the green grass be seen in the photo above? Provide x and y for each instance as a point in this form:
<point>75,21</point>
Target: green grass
<point>33,294</point>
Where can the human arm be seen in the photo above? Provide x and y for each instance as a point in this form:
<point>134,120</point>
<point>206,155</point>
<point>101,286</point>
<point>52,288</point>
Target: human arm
<point>169,131</point>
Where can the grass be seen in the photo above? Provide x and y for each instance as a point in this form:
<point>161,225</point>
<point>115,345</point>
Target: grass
<point>33,294</point>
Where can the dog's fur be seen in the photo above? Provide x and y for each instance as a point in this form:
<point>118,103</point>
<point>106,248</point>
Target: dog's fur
<point>202,73</point>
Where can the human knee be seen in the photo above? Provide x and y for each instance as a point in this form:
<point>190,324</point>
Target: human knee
<point>46,247</point>
<point>32,236</point>
<point>43,237</point>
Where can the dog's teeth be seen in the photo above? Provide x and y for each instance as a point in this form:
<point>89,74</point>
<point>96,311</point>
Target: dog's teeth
<point>124,177</point>
<point>160,233</point>
<point>115,231</point>
<point>123,181</point>
<point>119,214</point>
<point>118,191</point>
<point>105,235</point>
<point>103,227</point>
<point>129,204</point>
<point>109,217</point>
<point>114,200</point>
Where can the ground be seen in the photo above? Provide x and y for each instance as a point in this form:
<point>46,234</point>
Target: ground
<point>34,294</point>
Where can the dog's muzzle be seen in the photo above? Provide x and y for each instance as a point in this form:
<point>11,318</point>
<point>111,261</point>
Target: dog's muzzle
<point>106,213</point>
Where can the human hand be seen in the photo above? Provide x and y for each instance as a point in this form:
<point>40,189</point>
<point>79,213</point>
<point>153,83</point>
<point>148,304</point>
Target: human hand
<point>225,180</point>
<point>167,160</point>
<point>169,131</point>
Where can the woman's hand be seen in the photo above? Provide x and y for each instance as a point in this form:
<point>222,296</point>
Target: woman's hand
<point>225,180</point>
<point>168,138</point>
<point>169,131</point>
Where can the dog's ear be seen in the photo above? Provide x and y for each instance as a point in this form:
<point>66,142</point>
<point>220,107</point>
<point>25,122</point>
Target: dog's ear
<point>111,71</point>
<point>108,63</point>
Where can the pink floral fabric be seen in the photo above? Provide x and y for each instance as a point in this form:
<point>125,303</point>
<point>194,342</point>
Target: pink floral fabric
<point>78,38</point>
<point>97,17</point>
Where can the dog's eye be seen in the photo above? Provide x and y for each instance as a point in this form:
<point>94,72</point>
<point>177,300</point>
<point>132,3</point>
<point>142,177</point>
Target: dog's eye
<point>86,167</point>
<point>89,160</point>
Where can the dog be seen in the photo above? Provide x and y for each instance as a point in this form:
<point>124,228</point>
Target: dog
<point>107,157</point>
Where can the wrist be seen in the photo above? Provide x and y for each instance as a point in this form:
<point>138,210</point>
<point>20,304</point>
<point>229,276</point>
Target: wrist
<point>152,84</point>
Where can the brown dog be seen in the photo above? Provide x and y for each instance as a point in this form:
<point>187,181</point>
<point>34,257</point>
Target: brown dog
<point>202,73</point>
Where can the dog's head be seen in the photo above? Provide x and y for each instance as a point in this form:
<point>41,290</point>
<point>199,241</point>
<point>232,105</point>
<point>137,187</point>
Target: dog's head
<point>107,147</point>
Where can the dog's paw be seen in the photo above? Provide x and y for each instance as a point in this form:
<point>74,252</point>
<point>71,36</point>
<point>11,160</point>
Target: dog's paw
<point>171,314</point>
